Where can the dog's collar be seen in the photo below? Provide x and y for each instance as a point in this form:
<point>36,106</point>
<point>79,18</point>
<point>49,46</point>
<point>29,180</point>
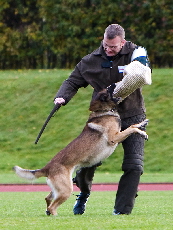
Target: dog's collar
<point>104,113</point>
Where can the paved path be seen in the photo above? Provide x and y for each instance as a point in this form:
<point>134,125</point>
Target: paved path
<point>95,187</point>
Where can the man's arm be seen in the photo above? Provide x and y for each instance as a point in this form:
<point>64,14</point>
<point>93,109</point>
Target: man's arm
<point>70,86</point>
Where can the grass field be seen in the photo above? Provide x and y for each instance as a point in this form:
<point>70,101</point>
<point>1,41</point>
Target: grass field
<point>20,211</point>
<point>27,98</point>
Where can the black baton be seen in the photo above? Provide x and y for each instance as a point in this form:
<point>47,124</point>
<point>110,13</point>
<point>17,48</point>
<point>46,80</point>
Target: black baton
<point>56,107</point>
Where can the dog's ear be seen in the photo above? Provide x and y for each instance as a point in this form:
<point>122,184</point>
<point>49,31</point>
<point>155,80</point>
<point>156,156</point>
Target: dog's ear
<point>102,101</point>
<point>104,97</point>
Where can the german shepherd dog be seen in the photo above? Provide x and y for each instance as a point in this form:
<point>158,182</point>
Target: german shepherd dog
<point>98,140</point>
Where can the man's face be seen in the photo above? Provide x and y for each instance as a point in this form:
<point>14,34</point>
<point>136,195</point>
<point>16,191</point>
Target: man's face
<point>113,46</point>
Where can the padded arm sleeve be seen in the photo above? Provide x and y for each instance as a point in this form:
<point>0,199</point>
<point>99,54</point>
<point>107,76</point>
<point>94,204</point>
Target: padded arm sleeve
<point>135,76</point>
<point>140,54</point>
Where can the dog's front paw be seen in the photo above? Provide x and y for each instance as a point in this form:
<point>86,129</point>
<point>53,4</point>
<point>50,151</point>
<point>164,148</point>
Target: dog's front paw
<point>143,134</point>
<point>142,125</point>
<point>146,137</point>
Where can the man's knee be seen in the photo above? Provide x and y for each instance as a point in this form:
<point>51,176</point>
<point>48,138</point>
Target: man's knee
<point>133,164</point>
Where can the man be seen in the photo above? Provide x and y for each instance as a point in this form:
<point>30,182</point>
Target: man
<point>100,69</point>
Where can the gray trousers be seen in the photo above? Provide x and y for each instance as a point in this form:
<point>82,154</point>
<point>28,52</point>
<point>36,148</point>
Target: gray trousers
<point>132,166</point>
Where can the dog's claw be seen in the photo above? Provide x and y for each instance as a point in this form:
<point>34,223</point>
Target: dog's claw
<point>48,213</point>
<point>144,123</point>
<point>146,137</point>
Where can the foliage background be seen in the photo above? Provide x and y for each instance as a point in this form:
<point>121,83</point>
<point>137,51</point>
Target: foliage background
<point>57,33</point>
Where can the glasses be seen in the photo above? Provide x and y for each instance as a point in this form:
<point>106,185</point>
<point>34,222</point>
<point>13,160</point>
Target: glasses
<point>110,47</point>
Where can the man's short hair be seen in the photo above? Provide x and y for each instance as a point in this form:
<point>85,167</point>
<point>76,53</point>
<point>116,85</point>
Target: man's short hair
<point>114,30</point>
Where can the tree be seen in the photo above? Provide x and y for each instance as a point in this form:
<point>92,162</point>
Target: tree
<point>58,33</point>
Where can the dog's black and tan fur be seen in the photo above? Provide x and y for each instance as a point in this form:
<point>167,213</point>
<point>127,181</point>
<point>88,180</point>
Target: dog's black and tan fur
<point>97,141</point>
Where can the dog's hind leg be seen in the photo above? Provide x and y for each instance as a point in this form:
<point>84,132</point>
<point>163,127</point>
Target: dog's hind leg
<point>62,197</point>
<point>48,199</point>
<point>61,191</point>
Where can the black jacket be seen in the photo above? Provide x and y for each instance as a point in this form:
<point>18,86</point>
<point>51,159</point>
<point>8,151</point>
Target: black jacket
<point>96,70</point>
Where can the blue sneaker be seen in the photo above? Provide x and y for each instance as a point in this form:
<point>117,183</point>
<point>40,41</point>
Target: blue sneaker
<point>116,212</point>
<point>79,207</point>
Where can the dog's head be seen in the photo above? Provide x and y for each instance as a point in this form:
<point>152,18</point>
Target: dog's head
<point>103,102</point>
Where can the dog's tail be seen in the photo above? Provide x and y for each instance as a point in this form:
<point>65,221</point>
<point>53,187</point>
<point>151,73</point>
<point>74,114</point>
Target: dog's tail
<point>28,174</point>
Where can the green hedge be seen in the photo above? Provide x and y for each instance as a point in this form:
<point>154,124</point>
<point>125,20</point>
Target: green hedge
<point>56,33</point>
